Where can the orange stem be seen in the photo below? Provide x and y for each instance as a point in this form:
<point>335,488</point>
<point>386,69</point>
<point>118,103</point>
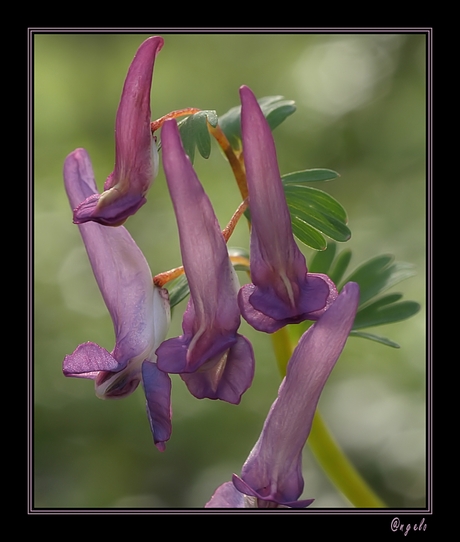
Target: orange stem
<point>234,160</point>
<point>167,276</point>
<point>156,124</point>
<point>230,227</point>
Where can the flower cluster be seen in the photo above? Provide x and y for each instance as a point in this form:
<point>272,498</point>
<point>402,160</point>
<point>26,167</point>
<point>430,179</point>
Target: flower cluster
<point>213,359</point>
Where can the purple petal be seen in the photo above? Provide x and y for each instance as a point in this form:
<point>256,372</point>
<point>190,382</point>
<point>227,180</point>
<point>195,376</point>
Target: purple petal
<point>269,212</point>
<point>273,467</point>
<point>225,378</point>
<point>136,155</point>
<point>121,271</point>
<point>173,354</point>
<point>87,360</point>
<point>266,500</point>
<point>212,316</point>
<point>281,292</point>
<point>271,314</point>
<point>227,496</point>
<point>108,208</point>
<point>157,387</point>
<point>203,248</point>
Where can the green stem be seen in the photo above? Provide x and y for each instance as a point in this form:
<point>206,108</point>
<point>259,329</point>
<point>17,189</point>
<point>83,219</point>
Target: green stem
<point>338,468</point>
<point>324,447</point>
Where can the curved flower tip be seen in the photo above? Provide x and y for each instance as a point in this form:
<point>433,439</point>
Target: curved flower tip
<point>282,291</point>
<point>213,360</point>
<point>272,474</point>
<point>136,154</point>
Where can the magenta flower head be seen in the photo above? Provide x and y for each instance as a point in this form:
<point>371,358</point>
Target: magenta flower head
<point>140,312</point>
<point>272,474</point>
<point>282,291</point>
<point>136,153</point>
<point>212,358</point>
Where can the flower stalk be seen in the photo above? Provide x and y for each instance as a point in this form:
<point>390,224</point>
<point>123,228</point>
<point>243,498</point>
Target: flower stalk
<point>157,124</point>
<point>235,161</point>
<point>167,276</point>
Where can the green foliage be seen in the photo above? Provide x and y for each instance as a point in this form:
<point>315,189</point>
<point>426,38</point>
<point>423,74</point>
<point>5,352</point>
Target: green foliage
<point>374,276</point>
<point>384,310</point>
<point>194,133</point>
<point>178,290</point>
<point>379,274</point>
<point>313,213</point>
<point>309,176</point>
<point>340,265</point>
<point>376,338</point>
<point>275,108</point>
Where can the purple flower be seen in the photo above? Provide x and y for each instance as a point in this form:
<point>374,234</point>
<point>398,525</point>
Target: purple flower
<point>282,291</point>
<point>136,154</point>
<point>139,311</point>
<point>272,474</point>
<point>211,357</point>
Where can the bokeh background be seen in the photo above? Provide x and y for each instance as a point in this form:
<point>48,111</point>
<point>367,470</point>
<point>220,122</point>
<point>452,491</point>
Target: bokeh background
<point>361,110</point>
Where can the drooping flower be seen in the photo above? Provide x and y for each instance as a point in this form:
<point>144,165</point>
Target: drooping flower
<point>139,311</point>
<point>282,291</point>
<point>211,357</point>
<point>136,153</point>
<point>272,474</point>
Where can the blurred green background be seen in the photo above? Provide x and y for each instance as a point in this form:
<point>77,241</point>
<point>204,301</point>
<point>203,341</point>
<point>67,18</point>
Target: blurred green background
<point>361,110</point>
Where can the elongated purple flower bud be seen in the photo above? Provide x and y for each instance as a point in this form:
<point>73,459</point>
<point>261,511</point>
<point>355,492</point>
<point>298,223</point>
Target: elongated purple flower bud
<point>212,358</point>
<point>272,474</point>
<point>282,291</point>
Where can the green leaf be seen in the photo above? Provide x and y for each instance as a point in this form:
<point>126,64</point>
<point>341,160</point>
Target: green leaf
<point>322,261</point>
<point>309,176</point>
<point>178,290</point>
<point>275,109</point>
<point>375,338</point>
<point>379,274</point>
<point>328,263</point>
<point>373,277</point>
<point>385,311</point>
<point>312,209</point>
<point>306,234</point>
<point>340,266</point>
<point>194,133</point>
